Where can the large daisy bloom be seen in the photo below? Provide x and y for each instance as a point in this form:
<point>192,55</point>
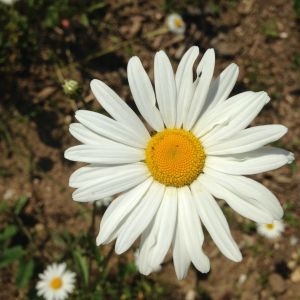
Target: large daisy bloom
<point>195,147</point>
<point>56,282</point>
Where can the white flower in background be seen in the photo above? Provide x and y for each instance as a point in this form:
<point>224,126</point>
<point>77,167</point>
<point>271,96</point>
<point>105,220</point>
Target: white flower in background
<point>199,148</point>
<point>271,230</point>
<point>175,23</point>
<point>8,2</point>
<point>56,282</point>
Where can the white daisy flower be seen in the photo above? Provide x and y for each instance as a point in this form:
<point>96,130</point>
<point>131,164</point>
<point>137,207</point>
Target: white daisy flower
<point>271,230</point>
<point>56,282</point>
<point>198,149</point>
<point>175,23</point>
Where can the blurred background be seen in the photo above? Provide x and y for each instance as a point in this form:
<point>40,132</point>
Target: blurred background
<point>49,52</point>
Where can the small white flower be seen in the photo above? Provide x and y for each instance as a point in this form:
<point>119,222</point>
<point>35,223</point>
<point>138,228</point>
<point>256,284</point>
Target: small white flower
<point>198,148</point>
<point>55,283</point>
<point>271,230</point>
<point>8,2</point>
<point>175,23</point>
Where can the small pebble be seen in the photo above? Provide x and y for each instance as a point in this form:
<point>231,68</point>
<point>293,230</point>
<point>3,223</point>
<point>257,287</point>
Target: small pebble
<point>293,240</point>
<point>190,295</point>
<point>295,276</point>
<point>242,279</point>
<point>9,194</point>
<point>277,283</point>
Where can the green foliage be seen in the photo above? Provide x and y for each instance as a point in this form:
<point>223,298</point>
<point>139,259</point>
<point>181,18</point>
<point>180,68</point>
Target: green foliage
<point>10,252</point>
<point>270,29</point>
<point>96,277</point>
<point>249,227</point>
<point>8,232</point>
<point>24,273</point>
<point>20,205</point>
<point>82,266</point>
<point>10,255</point>
<point>296,59</point>
<point>297,8</point>
<point>31,27</point>
<point>289,215</point>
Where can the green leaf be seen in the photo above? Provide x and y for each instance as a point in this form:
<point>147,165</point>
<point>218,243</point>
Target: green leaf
<point>20,205</point>
<point>82,266</point>
<point>96,6</point>
<point>8,232</point>
<point>4,204</point>
<point>10,255</point>
<point>24,273</point>
<point>84,20</point>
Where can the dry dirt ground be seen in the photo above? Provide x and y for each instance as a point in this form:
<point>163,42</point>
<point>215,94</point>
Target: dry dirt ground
<point>262,37</point>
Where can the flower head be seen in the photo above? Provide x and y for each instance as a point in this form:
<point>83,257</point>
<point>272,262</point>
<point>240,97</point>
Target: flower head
<point>198,148</point>
<point>71,88</point>
<point>271,230</point>
<point>175,23</point>
<point>56,283</point>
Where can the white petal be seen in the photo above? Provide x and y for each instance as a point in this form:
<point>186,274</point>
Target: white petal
<point>250,189</point>
<point>165,88</point>
<point>240,205</point>
<point>111,181</point>
<point>246,140</point>
<point>86,175</point>
<point>221,87</point>
<point>240,112</point>
<point>157,238</point>
<point>146,245</point>
<point>117,108</point>
<point>110,128</point>
<point>206,68</point>
<point>165,223</point>
<point>140,217</point>
<point>84,135</point>
<point>118,210</point>
<point>181,257</point>
<point>143,94</point>
<point>108,152</point>
<point>184,83</point>
<point>253,162</point>
<point>215,222</point>
<point>193,234</point>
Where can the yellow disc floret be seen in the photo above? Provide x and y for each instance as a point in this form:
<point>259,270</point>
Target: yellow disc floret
<point>175,157</point>
<point>178,22</point>
<point>270,226</point>
<point>56,283</point>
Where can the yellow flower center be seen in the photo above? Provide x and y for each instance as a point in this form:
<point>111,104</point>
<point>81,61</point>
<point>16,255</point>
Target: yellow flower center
<point>270,226</point>
<point>178,23</point>
<point>175,157</point>
<point>56,283</point>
